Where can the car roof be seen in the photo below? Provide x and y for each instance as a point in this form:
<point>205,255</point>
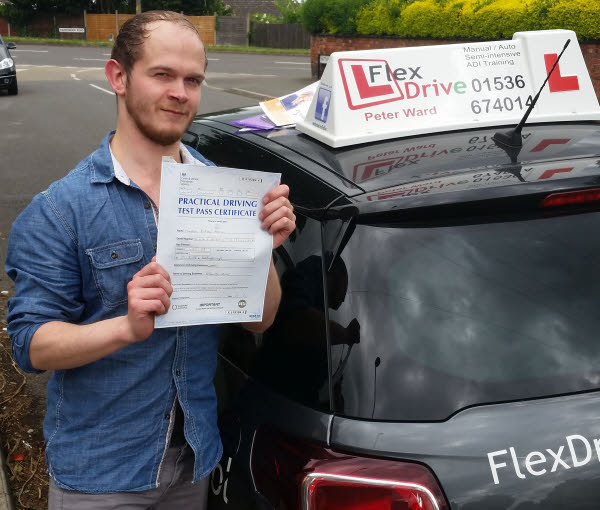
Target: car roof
<point>437,163</point>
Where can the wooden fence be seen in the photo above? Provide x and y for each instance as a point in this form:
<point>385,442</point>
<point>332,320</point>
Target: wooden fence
<point>100,27</point>
<point>233,30</point>
<point>273,35</point>
<point>206,28</point>
<point>105,27</point>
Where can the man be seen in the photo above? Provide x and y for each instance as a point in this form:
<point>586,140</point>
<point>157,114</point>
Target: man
<point>87,290</point>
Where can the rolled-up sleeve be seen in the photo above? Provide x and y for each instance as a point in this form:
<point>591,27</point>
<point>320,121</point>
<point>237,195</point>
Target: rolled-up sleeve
<point>42,259</point>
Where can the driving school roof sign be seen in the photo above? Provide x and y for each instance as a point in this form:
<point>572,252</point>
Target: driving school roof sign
<point>372,95</point>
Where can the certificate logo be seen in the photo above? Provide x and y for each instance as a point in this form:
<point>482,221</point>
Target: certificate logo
<point>179,307</point>
<point>323,103</point>
<point>242,303</point>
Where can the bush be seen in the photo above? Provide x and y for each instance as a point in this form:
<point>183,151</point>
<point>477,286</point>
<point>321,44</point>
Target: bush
<point>422,19</point>
<point>457,18</point>
<point>290,13</point>
<point>263,17</point>
<point>379,18</point>
<point>453,19</point>
<point>581,16</point>
<point>331,16</point>
<point>500,20</point>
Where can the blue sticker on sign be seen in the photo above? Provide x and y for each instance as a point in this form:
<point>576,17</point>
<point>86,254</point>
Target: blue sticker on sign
<point>323,103</point>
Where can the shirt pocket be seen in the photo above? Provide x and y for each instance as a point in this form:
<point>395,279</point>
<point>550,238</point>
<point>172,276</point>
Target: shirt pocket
<point>113,266</point>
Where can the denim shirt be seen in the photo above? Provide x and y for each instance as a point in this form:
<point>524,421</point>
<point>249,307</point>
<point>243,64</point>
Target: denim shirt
<point>71,253</point>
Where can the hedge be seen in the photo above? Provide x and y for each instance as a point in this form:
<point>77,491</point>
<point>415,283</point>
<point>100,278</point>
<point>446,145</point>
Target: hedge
<point>582,16</point>
<point>451,19</point>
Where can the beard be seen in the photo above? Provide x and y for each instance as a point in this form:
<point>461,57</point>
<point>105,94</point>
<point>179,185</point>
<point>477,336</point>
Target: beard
<point>138,109</point>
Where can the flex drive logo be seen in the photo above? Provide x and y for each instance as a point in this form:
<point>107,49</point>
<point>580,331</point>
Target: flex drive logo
<point>372,82</point>
<point>576,451</point>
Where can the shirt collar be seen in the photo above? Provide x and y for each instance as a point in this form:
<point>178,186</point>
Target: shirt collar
<point>105,166</point>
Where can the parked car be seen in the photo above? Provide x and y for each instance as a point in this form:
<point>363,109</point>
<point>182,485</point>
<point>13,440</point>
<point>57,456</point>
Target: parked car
<point>436,345</point>
<point>8,71</point>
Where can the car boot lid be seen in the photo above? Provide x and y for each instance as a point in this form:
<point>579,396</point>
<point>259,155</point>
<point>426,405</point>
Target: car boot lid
<point>528,448</point>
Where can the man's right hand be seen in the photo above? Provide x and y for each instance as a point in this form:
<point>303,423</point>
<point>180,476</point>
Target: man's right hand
<point>148,293</point>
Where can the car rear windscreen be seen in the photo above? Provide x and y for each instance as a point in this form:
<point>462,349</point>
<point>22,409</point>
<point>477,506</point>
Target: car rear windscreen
<point>457,315</point>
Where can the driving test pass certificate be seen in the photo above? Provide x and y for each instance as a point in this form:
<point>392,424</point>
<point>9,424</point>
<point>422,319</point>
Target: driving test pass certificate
<point>211,244</point>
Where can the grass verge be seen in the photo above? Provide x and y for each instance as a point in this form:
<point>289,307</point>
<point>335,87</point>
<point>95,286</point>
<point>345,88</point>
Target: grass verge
<point>58,42</point>
<point>233,49</point>
<point>256,49</point>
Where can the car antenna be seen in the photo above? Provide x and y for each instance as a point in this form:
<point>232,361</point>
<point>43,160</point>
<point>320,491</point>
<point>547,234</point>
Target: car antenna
<point>512,139</point>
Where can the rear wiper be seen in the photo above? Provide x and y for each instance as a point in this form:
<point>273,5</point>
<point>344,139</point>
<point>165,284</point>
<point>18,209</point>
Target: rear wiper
<point>330,212</point>
<point>511,140</point>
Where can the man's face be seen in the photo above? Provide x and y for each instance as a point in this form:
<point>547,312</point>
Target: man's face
<point>163,88</point>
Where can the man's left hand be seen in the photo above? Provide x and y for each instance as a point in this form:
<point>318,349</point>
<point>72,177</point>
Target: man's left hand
<point>278,215</point>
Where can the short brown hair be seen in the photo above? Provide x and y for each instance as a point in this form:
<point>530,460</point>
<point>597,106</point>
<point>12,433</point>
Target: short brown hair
<point>128,47</point>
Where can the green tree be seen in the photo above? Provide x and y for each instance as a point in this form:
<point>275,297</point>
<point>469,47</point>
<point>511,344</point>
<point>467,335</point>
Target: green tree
<point>109,6</point>
<point>331,16</point>
<point>205,8</point>
<point>290,10</point>
<point>18,14</point>
<point>189,7</point>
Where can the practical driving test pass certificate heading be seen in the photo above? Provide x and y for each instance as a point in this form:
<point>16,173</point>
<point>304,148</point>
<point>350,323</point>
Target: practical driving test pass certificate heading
<point>211,243</point>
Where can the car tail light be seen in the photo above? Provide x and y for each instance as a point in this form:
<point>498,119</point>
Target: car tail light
<point>297,474</point>
<point>579,197</point>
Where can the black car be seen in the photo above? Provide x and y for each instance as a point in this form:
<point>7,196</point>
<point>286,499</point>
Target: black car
<point>8,71</point>
<point>436,346</point>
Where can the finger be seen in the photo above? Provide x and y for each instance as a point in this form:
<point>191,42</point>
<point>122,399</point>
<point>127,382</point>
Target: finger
<point>138,298</point>
<point>282,212</point>
<point>278,191</point>
<point>285,225</point>
<point>151,281</point>
<point>151,306</point>
<point>153,268</point>
<point>143,294</point>
<point>271,207</point>
<point>281,190</point>
<point>281,230</point>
